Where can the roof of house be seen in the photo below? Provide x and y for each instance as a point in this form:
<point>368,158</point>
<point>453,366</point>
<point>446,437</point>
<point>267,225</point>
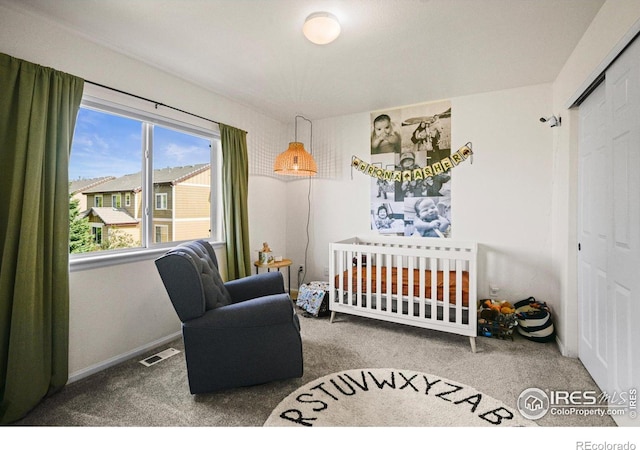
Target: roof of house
<point>112,216</point>
<point>175,175</point>
<point>76,186</point>
<point>133,182</point>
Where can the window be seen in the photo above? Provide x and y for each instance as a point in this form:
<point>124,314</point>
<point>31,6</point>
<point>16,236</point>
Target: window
<point>116,201</point>
<point>161,201</point>
<point>162,167</point>
<point>161,233</point>
<point>96,232</point>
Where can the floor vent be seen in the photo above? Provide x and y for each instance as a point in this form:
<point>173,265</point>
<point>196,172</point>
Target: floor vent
<point>155,359</point>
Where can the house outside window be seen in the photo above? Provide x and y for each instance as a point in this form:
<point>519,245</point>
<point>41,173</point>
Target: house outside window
<point>174,199</point>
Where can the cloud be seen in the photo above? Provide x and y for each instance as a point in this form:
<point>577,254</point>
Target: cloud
<point>185,154</point>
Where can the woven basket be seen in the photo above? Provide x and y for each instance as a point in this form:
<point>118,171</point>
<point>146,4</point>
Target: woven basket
<point>534,320</point>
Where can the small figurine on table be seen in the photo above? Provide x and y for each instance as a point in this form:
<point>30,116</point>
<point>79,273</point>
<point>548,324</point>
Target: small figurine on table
<point>266,254</point>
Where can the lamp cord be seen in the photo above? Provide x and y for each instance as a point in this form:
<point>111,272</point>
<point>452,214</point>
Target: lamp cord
<point>306,249</point>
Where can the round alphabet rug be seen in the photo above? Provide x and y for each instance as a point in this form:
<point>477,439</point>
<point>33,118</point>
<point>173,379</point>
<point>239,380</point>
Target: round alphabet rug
<point>391,397</point>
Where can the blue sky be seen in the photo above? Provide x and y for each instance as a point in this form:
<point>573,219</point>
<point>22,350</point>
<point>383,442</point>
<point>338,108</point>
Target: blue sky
<point>106,144</point>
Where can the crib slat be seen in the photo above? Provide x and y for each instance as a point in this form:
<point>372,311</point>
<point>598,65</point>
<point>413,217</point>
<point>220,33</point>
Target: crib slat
<point>399,277</point>
<point>350,277</point>
<point>410,282</point>
<point>336,257</point>
<point>458,291</point>
<point>379,283</point>
<point>359,279</point>
<point>434,288</point>
<point>369,260</point>
<point>343,267</point>
<point>422,290</point>
<point>473,293</point>
<point>445,290</point>
<point>389,305</point>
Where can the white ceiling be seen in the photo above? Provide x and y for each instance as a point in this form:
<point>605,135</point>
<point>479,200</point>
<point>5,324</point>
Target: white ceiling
<point>390,53</point>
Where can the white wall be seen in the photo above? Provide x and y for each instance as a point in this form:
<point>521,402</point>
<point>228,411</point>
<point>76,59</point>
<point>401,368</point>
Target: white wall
<point>112,315</point>
<point>613,26</point>
<point>110,320</point>
<point>339,206</point>
<point>502,200</point>
<point>268,208</point>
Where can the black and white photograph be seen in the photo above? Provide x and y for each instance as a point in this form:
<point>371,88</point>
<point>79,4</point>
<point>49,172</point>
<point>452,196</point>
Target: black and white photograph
<point>387,218</point>
<point>427,216</point>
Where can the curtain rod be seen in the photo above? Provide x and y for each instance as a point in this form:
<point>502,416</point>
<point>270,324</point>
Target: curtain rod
<point>151,101</point>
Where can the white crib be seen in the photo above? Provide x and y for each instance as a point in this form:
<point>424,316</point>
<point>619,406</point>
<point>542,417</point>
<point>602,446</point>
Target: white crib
<point>406,280</point>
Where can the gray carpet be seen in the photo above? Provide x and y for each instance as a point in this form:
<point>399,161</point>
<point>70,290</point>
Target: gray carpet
<point>131,395</point>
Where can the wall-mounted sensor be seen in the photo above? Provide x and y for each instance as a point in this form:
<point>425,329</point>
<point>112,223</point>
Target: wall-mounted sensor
<point>553,121</point>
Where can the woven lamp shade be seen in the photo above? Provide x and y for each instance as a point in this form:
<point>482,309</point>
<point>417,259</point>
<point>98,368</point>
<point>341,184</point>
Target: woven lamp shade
<point>295,161</point>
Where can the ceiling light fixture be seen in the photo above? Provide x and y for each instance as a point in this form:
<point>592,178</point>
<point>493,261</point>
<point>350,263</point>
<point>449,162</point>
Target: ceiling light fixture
<point>295,160</point>
<point>321,28</point>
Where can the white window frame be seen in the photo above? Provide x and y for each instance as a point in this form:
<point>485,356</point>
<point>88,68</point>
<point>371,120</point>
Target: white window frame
<point>127,199</point>
<point>94,231</point>
<point>95,201</point>
<point>113,102</point>
<point>116,200</point>
<point>163,197</point>
<point>164,230</point>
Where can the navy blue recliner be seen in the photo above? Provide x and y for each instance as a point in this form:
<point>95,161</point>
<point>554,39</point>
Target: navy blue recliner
<point>240,333</point>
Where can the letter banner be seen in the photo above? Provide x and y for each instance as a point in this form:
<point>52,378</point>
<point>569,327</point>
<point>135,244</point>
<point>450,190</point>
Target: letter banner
<point>435,168</point>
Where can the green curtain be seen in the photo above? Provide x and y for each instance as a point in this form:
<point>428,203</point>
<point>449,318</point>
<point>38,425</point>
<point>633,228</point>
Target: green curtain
<point>38,108</point>
<point>235,187</point>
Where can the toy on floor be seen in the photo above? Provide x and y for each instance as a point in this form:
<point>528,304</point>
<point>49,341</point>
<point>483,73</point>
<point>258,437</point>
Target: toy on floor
<point>496,319</point>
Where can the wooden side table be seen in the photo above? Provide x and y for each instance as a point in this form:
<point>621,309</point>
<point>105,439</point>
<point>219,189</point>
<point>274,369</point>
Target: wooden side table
<point>277,265</point>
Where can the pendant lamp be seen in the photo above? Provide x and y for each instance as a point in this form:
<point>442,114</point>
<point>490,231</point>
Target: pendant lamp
<point>296,160</point>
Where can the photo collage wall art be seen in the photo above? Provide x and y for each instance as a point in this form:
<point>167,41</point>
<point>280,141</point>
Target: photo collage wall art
<point>406,139</point>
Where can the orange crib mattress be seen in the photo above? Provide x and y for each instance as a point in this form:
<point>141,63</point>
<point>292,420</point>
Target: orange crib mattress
<point>405,283</point>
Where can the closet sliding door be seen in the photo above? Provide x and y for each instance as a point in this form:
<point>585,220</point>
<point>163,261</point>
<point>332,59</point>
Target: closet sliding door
<point>594,235</point>
<point>609,229</point>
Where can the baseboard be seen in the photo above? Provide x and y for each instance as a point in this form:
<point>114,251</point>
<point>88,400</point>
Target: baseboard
<point>80,374</point>
<point>560,345</point>
<point>563,349</point>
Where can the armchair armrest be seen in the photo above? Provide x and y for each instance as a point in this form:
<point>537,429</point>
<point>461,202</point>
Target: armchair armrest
<point>253,286</point>
<point>257,312</point>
